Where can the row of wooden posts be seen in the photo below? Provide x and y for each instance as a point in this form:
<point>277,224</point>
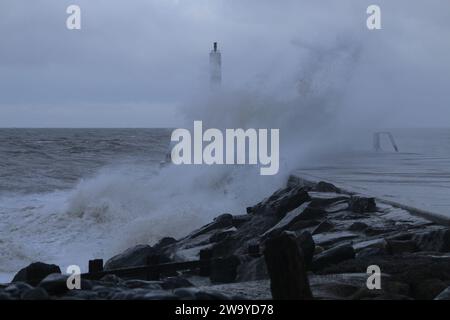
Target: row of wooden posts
<point>283,257</point>
<point>153,269</point>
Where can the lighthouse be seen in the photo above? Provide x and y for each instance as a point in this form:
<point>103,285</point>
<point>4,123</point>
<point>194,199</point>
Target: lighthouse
<point>215,66</point>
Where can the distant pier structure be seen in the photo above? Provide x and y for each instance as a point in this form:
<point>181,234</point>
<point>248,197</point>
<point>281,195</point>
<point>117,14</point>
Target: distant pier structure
<point>377,140</point>
<point>215,66</point>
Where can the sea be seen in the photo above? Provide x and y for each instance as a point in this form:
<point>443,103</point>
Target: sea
<point>70,195</point>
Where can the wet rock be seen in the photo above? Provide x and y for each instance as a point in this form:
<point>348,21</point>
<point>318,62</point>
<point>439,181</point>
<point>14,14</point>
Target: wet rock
<point>5,296</point>
<point>358,226</point>
<point>333,256</point>
<point>164,242</point>
<point>302,224</point>
<point>252,269</point>
<point>220,236</point>
<point>444,295</point>
<point>332,238</point>
<point>323,186</point>
<point>16,289</point>
<point>400,246</point>
<point>311,213</point>
<point>56,284</point>
<point>240,220</point>
<point>175,283</point>
<point>287,269</point>
<point>132,257</point>
<point>224,270</point>
<point>359,204</point>
<point>35,294</point>
<point>324,226</point>
<point>112,279</point>
<point>35,272</point>
<point>81,295</point>
<point>436,240</point>
<point>185,293</point>
<point>223,221</point>
<point>370,252</point>
<point>143,284</point>
<point>210,295</point>
<point>428,289</point>
<point>282,202</point>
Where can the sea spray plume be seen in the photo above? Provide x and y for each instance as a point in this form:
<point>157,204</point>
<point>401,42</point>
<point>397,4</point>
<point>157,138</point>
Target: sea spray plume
<point>304,109</point>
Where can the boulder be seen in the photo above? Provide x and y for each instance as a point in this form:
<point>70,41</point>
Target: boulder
<point>324,226</point>
<point>220,236</point>
<point>323,186</point>
<point>400,246</point>
<point>359,204</point>
<point>436,240</point>
<point>444,295</point>
<point>56,284</point>
<point>175,283</point>
<point>333,256</point>
<point>35,272</point>
<point>358,226</point>
<point>16,289</point>
<point>224,270</point>
<point>240,220</point>
<point>132,257</point>
<point>252,269</point>
<point>428,289</point>
<point>35,294</point>
<point>164,242</point>
<point>281,202</point>
<point>223,221</point>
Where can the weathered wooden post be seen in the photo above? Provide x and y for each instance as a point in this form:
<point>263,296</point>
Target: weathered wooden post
<point>287,269</point>
<point>254,250</point>
<point>205,262</point>
<point>153,273</point>
<point>95,265</point>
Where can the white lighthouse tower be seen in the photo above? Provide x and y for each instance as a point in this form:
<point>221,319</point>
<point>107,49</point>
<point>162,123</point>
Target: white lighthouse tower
<point>215,66</point>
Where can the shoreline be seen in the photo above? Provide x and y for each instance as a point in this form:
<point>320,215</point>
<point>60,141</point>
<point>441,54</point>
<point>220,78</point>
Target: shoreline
<point>339,233</point>
<point>426,214</point>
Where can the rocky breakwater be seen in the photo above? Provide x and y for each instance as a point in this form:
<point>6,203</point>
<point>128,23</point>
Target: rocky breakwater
<point>312,236</point>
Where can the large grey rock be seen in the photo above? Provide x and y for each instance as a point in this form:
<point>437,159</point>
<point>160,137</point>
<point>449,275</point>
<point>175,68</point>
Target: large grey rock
<point>323,186</point>
<point>436,240</point>
<point>281,202</point>
<point>324,226</point>
<point>16,289</point>
<point>252,269</point>
<point>56,284</point>
<point>428,289</point>
<point>35,272</point>
<point>132,257</point>
<point>333,256</point>
<point>35,294</point>
<point>444,295</point>
<point>224,270</point>
<point>359,204</point>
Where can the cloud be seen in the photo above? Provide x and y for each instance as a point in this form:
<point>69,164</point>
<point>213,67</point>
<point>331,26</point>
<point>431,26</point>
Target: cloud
<point>145,58</point>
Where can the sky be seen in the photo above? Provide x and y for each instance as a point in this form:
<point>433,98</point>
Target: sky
<point>142,63</point>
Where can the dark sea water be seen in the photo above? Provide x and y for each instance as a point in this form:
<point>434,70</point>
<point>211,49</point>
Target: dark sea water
<point>43,160</point>
<point>70,195</point>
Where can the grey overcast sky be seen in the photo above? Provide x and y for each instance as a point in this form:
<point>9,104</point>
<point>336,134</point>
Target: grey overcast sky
<point>139,63</point>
